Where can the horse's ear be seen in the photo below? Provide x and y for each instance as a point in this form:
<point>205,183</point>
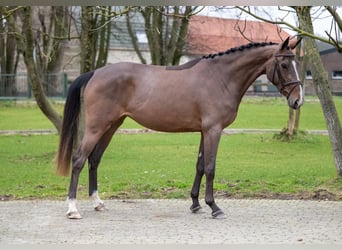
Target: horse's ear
<point>285,44</point>
<point>294,45</point>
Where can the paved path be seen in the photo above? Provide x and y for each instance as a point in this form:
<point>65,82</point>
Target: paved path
<point>170,221</point>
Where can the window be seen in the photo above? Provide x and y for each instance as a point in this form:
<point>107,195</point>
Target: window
<point>308,74</point>
<point>141,36</point>
<point>337,74</point>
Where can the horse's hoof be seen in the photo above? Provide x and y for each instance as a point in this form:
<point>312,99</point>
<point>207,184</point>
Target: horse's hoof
<point>195,209</point>
<point>100,207</point>
<point>218,214</point>
<point>74,215</point>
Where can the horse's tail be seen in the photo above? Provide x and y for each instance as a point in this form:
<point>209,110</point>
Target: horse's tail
<point>68,135</point>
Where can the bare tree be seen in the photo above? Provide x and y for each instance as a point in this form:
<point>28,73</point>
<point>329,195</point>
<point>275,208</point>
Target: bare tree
<point>337,23</point>
<point>39,33</point>
<point>96,29</point>
<point>9,53</point>
<point>88,39</point>
<point>29,44</point>
<point>321,85</point>
<point>50,29</point>
<point>165,29</point>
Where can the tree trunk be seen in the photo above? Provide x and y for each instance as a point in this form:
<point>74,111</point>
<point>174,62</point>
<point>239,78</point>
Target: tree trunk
<point>59,18</point>
<point>88,39</point>
<point>321,85</point>
<point>294,115</point>
<point>171,47</point>
<point>33,71</point>
<point>54,48</point>
<point>183,30</point>
<point>165,28</point>
<point>134,39</point>
<point>154,32</point>
<point>95,37</point>
<point>291,123</point>
<point>9,54</point>
<point>105,33</point>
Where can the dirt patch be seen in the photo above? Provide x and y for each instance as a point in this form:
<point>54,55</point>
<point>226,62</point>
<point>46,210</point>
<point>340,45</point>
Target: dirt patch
<point>320,194</point>
<point>6,197</point>
<point>317,195</point>
<point>323,194</point>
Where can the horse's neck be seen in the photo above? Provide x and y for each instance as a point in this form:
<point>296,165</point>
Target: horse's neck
<point>240,70</point>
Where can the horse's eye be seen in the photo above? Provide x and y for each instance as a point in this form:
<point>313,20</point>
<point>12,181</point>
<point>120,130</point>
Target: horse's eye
<point>284,65</point>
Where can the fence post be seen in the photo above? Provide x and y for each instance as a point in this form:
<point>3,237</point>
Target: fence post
<point>65,84</point>
<point>28,86</point>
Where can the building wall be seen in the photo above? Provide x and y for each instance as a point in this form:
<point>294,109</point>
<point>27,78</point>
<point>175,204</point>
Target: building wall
<point>71,62</point>
<point>332,61</point>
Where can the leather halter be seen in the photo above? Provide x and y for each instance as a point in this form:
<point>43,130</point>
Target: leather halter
<point>280,77</point>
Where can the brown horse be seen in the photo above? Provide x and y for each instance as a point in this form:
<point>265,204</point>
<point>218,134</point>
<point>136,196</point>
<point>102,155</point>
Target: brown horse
<point>202,95</point>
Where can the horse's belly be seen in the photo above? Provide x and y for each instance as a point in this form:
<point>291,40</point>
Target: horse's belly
<point>168,121</point>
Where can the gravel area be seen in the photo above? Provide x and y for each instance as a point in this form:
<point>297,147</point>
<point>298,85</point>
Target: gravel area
<point>170,221</point>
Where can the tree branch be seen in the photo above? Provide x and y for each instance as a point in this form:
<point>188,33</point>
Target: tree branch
<point>242,31</point>
<point>134,39</point>
<point>185,15</point>
<point>335,15</point>
<point>294,28</point>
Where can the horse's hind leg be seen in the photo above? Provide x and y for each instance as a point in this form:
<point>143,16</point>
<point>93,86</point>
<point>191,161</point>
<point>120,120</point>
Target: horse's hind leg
<point>94,161</point>
<point>86,147</point>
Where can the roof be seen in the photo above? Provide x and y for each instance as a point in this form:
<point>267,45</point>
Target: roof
<point>211,34</point>
<point>325,48</point>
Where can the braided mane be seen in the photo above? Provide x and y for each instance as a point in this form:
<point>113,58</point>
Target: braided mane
<point>241,48</point>
<point>193,62</point>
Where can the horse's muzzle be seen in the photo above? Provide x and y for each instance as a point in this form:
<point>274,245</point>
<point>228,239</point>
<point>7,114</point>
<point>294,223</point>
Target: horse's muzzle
<point>295,99</point>
<point>295,104</point>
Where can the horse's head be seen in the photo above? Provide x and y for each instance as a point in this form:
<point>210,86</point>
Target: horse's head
<point>282,71</point>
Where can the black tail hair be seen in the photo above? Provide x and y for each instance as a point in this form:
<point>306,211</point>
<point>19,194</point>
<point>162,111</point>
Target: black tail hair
<point>69,130</point>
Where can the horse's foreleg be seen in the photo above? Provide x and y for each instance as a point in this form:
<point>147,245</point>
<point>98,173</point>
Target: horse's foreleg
<point>211,141</point>
<point>195,207</point>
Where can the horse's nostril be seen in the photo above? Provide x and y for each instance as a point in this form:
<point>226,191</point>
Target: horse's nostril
<point>296,104</point>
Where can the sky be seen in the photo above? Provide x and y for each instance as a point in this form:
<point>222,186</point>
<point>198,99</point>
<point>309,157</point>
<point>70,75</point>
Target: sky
<point>321,19</point>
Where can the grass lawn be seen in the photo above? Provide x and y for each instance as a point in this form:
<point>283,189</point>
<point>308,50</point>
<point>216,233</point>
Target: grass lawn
<point>163,165</point>
<point>254,112</point>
